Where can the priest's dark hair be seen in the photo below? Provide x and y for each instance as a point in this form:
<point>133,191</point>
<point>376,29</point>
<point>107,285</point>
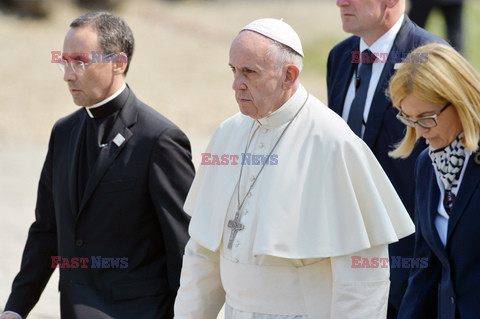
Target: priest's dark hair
<point>114,34</point>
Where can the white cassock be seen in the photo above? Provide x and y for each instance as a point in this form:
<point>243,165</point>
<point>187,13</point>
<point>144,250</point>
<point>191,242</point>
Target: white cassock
<point>321,202</point>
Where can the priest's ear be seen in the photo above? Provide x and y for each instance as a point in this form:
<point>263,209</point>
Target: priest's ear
<point>291,75</point>
<point>120,62</point>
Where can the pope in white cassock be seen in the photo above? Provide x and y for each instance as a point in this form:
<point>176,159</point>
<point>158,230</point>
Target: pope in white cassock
<point>291,213</point>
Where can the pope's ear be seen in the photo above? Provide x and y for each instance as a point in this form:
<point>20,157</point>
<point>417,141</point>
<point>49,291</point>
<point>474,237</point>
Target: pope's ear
<point>119,61</point>
<point>291,76</point>
<point>391,3</point>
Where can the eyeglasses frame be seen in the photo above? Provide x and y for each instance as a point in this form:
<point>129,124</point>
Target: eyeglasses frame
<point>64,64</point>
<point>411,123</point>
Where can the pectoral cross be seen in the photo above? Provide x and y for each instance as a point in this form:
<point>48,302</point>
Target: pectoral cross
<point>236,226</point>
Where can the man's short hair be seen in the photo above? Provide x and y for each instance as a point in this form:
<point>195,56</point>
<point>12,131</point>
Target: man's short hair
<point>114,34</point>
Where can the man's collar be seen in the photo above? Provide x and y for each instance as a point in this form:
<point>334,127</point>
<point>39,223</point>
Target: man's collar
<point>107,106</point>
<point>287,111</point>
<point>94,110</point>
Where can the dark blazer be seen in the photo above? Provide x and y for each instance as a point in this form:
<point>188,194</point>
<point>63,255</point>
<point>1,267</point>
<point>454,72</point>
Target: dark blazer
<point>450,286</point>
<point>383,130</point>
<point>131,211</point>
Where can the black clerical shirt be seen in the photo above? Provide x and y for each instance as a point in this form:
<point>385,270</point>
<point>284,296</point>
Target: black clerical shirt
<point>96,135</point>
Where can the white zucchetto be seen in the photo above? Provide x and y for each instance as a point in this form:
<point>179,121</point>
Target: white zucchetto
<point>277,30</point>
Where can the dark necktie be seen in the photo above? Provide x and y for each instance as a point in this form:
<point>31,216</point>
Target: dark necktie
<point>355,117</point>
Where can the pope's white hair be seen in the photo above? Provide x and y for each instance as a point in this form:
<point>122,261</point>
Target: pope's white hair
<point>283,55</point>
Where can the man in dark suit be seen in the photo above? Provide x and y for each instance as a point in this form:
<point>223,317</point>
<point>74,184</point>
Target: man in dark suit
<point>109,208</point>
<point>358,95</point>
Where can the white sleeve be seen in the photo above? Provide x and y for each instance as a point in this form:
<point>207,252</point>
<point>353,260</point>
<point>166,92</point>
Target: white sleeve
<point>361,284</point>
<point>201,294</point>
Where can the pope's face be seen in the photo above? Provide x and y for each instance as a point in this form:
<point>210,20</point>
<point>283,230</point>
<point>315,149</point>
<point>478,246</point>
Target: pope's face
<point>95,83</point>
<point>448,126</point>
<point>362,17</point>
<point>257,81</point>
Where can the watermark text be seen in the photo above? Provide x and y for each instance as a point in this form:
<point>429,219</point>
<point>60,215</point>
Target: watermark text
<point>92,262</point>
<point>392,57</point>
<point>393,262</point>
<point>236,159</point>
<point>97,57</point>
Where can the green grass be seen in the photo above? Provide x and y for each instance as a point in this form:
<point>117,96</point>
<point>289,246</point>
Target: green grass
<point>316,54</point>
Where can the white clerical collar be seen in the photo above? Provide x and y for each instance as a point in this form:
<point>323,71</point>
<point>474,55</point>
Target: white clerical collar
<point>385,42</point>
<point>287,111</point>
<point>108,99</point>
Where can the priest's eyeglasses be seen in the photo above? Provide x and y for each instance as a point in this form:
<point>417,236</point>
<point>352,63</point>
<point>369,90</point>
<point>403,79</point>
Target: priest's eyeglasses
<point>425,122</point>
<point>78,66</point>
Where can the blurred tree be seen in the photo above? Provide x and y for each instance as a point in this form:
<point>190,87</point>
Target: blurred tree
<point>28,8</point>
<point>107,5</point>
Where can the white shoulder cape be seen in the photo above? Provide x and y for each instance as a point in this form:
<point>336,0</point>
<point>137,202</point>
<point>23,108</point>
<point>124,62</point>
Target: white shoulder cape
<point>328,195</point>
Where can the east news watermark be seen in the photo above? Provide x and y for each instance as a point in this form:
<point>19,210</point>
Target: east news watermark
<point>392,57</point>
<point>89,262</point>
<point>392,262</point>
<point>239,159</point>
<point>96,57</point>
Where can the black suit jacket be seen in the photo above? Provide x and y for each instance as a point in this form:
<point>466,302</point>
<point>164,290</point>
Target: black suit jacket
<point>449,286</point>
<point>131,211</point>
<point>383,130</point>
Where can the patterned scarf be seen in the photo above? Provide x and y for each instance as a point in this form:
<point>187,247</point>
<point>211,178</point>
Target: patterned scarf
<point>448,163</point>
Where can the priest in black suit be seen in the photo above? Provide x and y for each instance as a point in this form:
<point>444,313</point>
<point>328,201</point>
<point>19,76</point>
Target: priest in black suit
<point>109,208</point>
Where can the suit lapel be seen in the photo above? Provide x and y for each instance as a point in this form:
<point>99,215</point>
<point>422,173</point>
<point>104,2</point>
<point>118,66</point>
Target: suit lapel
<point>345,79</point>
<point>468,186</point>
<point>117,140</point>
<point>380,102</point>
<point>74,146</point>
<point>432,196</point>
